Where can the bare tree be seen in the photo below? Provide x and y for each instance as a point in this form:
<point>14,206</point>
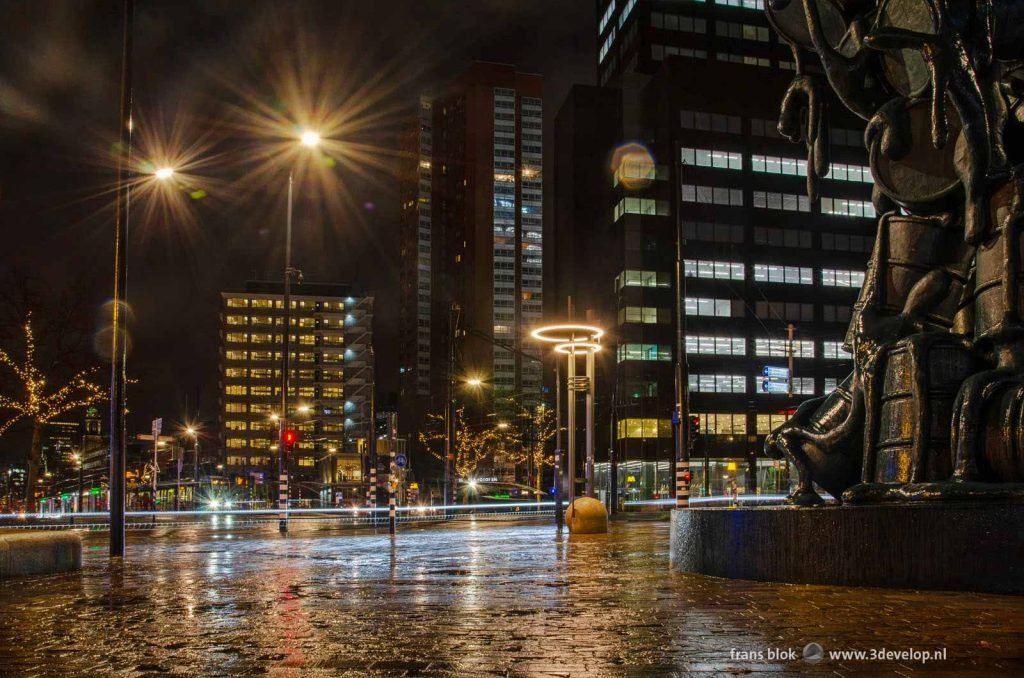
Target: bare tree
<point>470,445</point>
<point>31,397</point>
<point>530,437</point>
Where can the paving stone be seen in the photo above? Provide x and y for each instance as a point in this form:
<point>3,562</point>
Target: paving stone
<point>487,600</point>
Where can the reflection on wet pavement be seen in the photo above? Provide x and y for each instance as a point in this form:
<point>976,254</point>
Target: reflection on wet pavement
<point>474,599</point>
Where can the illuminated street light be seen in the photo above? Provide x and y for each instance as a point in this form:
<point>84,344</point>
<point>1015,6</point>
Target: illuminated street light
<point>310,138</point>
<point>474,382</point>
<point>572,339</point>
<point>164,173</point>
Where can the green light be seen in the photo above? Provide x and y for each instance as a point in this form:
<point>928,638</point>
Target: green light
<point>330,162</point>
<point>198,194</point>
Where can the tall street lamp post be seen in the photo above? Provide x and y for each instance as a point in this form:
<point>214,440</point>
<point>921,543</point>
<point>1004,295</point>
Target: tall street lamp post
<point>309,139</point>
<point>573,340</point>
<point>119,352</point>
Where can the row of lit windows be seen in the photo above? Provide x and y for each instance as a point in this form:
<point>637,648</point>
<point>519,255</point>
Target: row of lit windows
<point>774,273</point>
<point>630,205</point>
<point>847,208</point>
<point>835,278</point>
<point>770,164</point>
<point>706,157</point>
<point>242,302</point>
<point>718,270</point>
<point>631,278</point>
<point>326,392</point>
<point>267,338</point>
<point>737,383</point>
<point>653,352</point>
<point>637,427</point>
<point>259,356</point>
<point>771,348</point>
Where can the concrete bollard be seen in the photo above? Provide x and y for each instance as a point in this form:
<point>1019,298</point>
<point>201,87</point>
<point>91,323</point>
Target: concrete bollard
<point>28,553</point>
<point>586,515</point>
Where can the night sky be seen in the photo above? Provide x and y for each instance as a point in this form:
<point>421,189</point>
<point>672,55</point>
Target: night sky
<point>199,67</point>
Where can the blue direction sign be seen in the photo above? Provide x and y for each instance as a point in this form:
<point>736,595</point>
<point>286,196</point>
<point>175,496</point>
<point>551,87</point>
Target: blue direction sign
<point>776,379</point>
<point>401,460</point>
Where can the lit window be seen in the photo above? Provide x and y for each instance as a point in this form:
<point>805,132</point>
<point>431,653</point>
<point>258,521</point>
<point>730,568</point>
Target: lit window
<point>719,270</point>
<point>833,350</point>
<point>780,348</point>
<point>792,275</point>
<point>722,423</point>
<point>836,278</point>
<point>712,345</point>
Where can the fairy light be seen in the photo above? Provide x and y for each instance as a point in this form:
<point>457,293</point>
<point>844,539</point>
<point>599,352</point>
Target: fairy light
<point>38,405</point>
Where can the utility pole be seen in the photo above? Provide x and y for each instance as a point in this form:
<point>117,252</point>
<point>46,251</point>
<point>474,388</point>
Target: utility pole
<point>371,490</point>
<point>791,329</point>
<point>682,388</point>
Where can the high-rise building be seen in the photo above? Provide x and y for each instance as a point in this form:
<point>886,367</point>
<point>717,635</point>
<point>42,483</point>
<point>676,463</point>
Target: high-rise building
<point>330,383</point>
<point>769,276</point>
<point>472,242</point>
<point>60,442</point>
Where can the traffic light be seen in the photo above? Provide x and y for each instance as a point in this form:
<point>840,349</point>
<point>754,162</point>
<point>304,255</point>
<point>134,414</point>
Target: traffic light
<point>694,426</point>
<point>290,436</point>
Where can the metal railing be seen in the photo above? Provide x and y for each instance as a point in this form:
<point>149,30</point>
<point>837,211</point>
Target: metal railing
<point>233,518</point>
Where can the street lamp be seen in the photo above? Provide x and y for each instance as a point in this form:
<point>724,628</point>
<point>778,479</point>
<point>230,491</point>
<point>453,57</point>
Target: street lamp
<point>573,339</point>
<point>310,139</point>
<point>164,173</point>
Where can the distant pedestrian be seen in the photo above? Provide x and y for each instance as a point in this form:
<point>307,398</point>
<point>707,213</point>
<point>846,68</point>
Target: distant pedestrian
<point>734,492</point>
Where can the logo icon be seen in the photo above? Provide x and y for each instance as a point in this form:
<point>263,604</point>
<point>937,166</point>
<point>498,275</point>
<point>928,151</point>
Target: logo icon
<point>813,653</point>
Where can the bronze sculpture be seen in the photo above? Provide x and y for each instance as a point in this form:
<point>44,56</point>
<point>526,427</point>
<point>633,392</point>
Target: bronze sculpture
<point>934,407</point>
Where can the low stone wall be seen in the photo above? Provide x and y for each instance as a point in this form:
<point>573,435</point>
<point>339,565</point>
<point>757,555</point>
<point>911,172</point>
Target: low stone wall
<point>28,553</point>
<point>962,546</point>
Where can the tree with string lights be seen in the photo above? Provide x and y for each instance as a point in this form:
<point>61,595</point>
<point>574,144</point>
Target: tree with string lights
<point>31,398</point>
<point>530,437</point>
<point>470,446</point>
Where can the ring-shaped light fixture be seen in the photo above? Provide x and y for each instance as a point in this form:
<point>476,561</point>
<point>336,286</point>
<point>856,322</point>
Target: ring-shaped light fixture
<point>569,332</point>
<point>573,347</point>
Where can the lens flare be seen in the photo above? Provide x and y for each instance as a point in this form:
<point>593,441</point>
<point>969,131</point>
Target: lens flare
<point>633,166</point>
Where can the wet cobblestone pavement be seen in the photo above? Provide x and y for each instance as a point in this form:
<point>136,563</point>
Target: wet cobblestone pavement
<point>485,600</point>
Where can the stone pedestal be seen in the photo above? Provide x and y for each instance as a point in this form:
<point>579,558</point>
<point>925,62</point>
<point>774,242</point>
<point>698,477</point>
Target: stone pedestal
<point>28,553</point>
<point>586,515</point>
<point>960,546</point>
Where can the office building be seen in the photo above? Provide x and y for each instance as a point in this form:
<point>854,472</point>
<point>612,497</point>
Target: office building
<point>472,244</point>
<point>331,379</point>
<point>694,146</point>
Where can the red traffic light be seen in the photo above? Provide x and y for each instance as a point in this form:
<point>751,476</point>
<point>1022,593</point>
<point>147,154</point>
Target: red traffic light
<point>289,438</point>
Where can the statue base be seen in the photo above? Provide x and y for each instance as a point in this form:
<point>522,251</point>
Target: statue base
<point>958,546</point>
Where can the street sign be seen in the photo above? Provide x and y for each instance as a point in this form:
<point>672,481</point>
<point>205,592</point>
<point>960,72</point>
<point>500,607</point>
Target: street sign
<point>158,424</point>
<point>776,379</point>
<point>401,460</point>
<point>772,386</point>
